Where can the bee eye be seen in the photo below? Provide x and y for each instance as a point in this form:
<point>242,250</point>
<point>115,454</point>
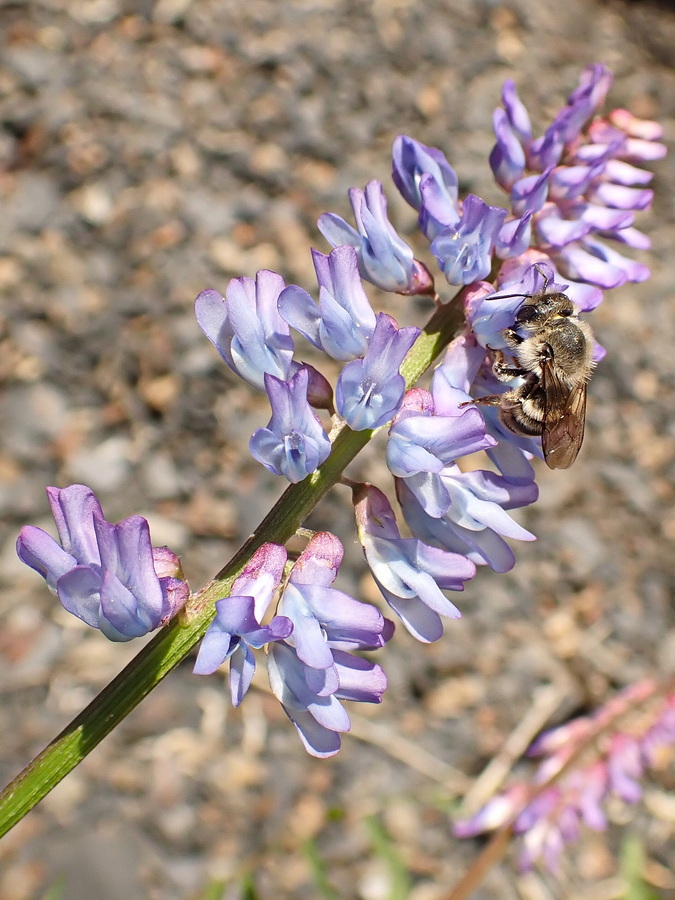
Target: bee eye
<point>525,313</point>
<point>566,312</point>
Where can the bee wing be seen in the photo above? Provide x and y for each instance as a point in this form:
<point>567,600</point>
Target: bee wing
<point>564,419</point>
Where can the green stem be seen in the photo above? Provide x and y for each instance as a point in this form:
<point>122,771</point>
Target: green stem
<point>176,640</point>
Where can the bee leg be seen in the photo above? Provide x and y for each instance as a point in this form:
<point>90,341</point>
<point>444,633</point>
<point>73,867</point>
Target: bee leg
<point>512,337</point>
<point>502,371</point>
<point>490,400</point>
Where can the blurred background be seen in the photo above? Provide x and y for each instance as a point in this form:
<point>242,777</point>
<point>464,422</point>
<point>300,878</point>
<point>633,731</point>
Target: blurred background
<point>149,150</point>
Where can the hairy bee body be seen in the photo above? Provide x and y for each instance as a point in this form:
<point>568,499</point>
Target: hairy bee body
<point>552,351</point>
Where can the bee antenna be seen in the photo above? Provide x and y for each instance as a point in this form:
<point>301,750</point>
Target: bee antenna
<point>509,296</point>
<point>546,278</point>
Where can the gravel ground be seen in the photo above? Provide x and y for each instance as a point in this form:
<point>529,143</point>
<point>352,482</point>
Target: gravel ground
<point>150,150</point>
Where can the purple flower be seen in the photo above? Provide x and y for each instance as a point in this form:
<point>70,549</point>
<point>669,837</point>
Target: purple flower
<point>625,768</point>
<point>529,194</point>
<point>428,182</point>
<point>384,257</point>
<point>464,249</point>
<point>311,697</point>
<point>584,178</point>
<point>516,112</point>
<point>594,84</point>
<point>343,322</point>
<point>325,619</point>
<point>102,573</point>
<point>294,443</point>
<point>236,630</point>
<point>313,671</point>
<point>475,522</point>
<point>514,237</point>
<point>594,262</point>
<point>246,327</point>
<point>423,441</point>
<point>369,391</point>
<point>409,574</point>
<point>507,159</point>
<point>567,791</point>
<point>488,314</point>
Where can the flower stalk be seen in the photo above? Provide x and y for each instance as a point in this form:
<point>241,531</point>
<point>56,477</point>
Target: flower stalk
<point>174,642</point>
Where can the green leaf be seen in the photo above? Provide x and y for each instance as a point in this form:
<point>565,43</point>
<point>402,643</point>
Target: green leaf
<point>384,848</point>
<point>319,871</point>
<point>632,862</point>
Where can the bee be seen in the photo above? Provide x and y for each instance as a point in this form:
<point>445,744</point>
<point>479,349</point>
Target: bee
<point>552,351</point>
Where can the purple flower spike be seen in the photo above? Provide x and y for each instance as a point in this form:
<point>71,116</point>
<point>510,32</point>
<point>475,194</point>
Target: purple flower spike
<point>294,443</point>
<point>247,329</point>
<point>102,573</point>
<point>369,391</point>
<point>464,250</point>
<point>343,322</point>
<point>385,259</point>
<point>324,618</point>
<point>428,182</point>
<point>410,575</point>
<point>236,630</point>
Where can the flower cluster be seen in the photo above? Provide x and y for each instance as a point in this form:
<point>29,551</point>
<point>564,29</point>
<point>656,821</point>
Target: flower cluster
<point>310,664</point>
<point>107,575</point>
<point>550,810</point>
<point>570,191</point>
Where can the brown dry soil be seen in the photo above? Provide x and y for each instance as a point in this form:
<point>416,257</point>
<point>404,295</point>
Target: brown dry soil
<point>150,150</point>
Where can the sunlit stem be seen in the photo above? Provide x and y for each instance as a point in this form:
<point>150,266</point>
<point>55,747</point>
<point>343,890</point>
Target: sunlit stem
<point>177,639</point>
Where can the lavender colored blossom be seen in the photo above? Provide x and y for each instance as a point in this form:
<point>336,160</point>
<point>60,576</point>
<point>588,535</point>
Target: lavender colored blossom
<point>464,249</point>
<point>410,574</point>
<point>324,618</point>
<point>475,522</point>
<point>516,112</point>
<point>246,328</point>
<point>343,322</point>
<point>384,257</point>
<point>294,444</point>
<point>311,697</point>
<point>585,176</point>
<point>104,574</point>
<point>507,159</point>
<point>236,630</point>
<point>423,441</point>
<point>488,314</point>
<point>428,182</point>
<point>465,512</point>
<point>563,796</point>
<point>312,671</point>
<point>369,391</point>
<point>514,237</point>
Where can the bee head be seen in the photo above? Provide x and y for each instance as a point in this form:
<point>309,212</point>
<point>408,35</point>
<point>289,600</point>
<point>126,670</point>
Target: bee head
<point>539,309</point>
